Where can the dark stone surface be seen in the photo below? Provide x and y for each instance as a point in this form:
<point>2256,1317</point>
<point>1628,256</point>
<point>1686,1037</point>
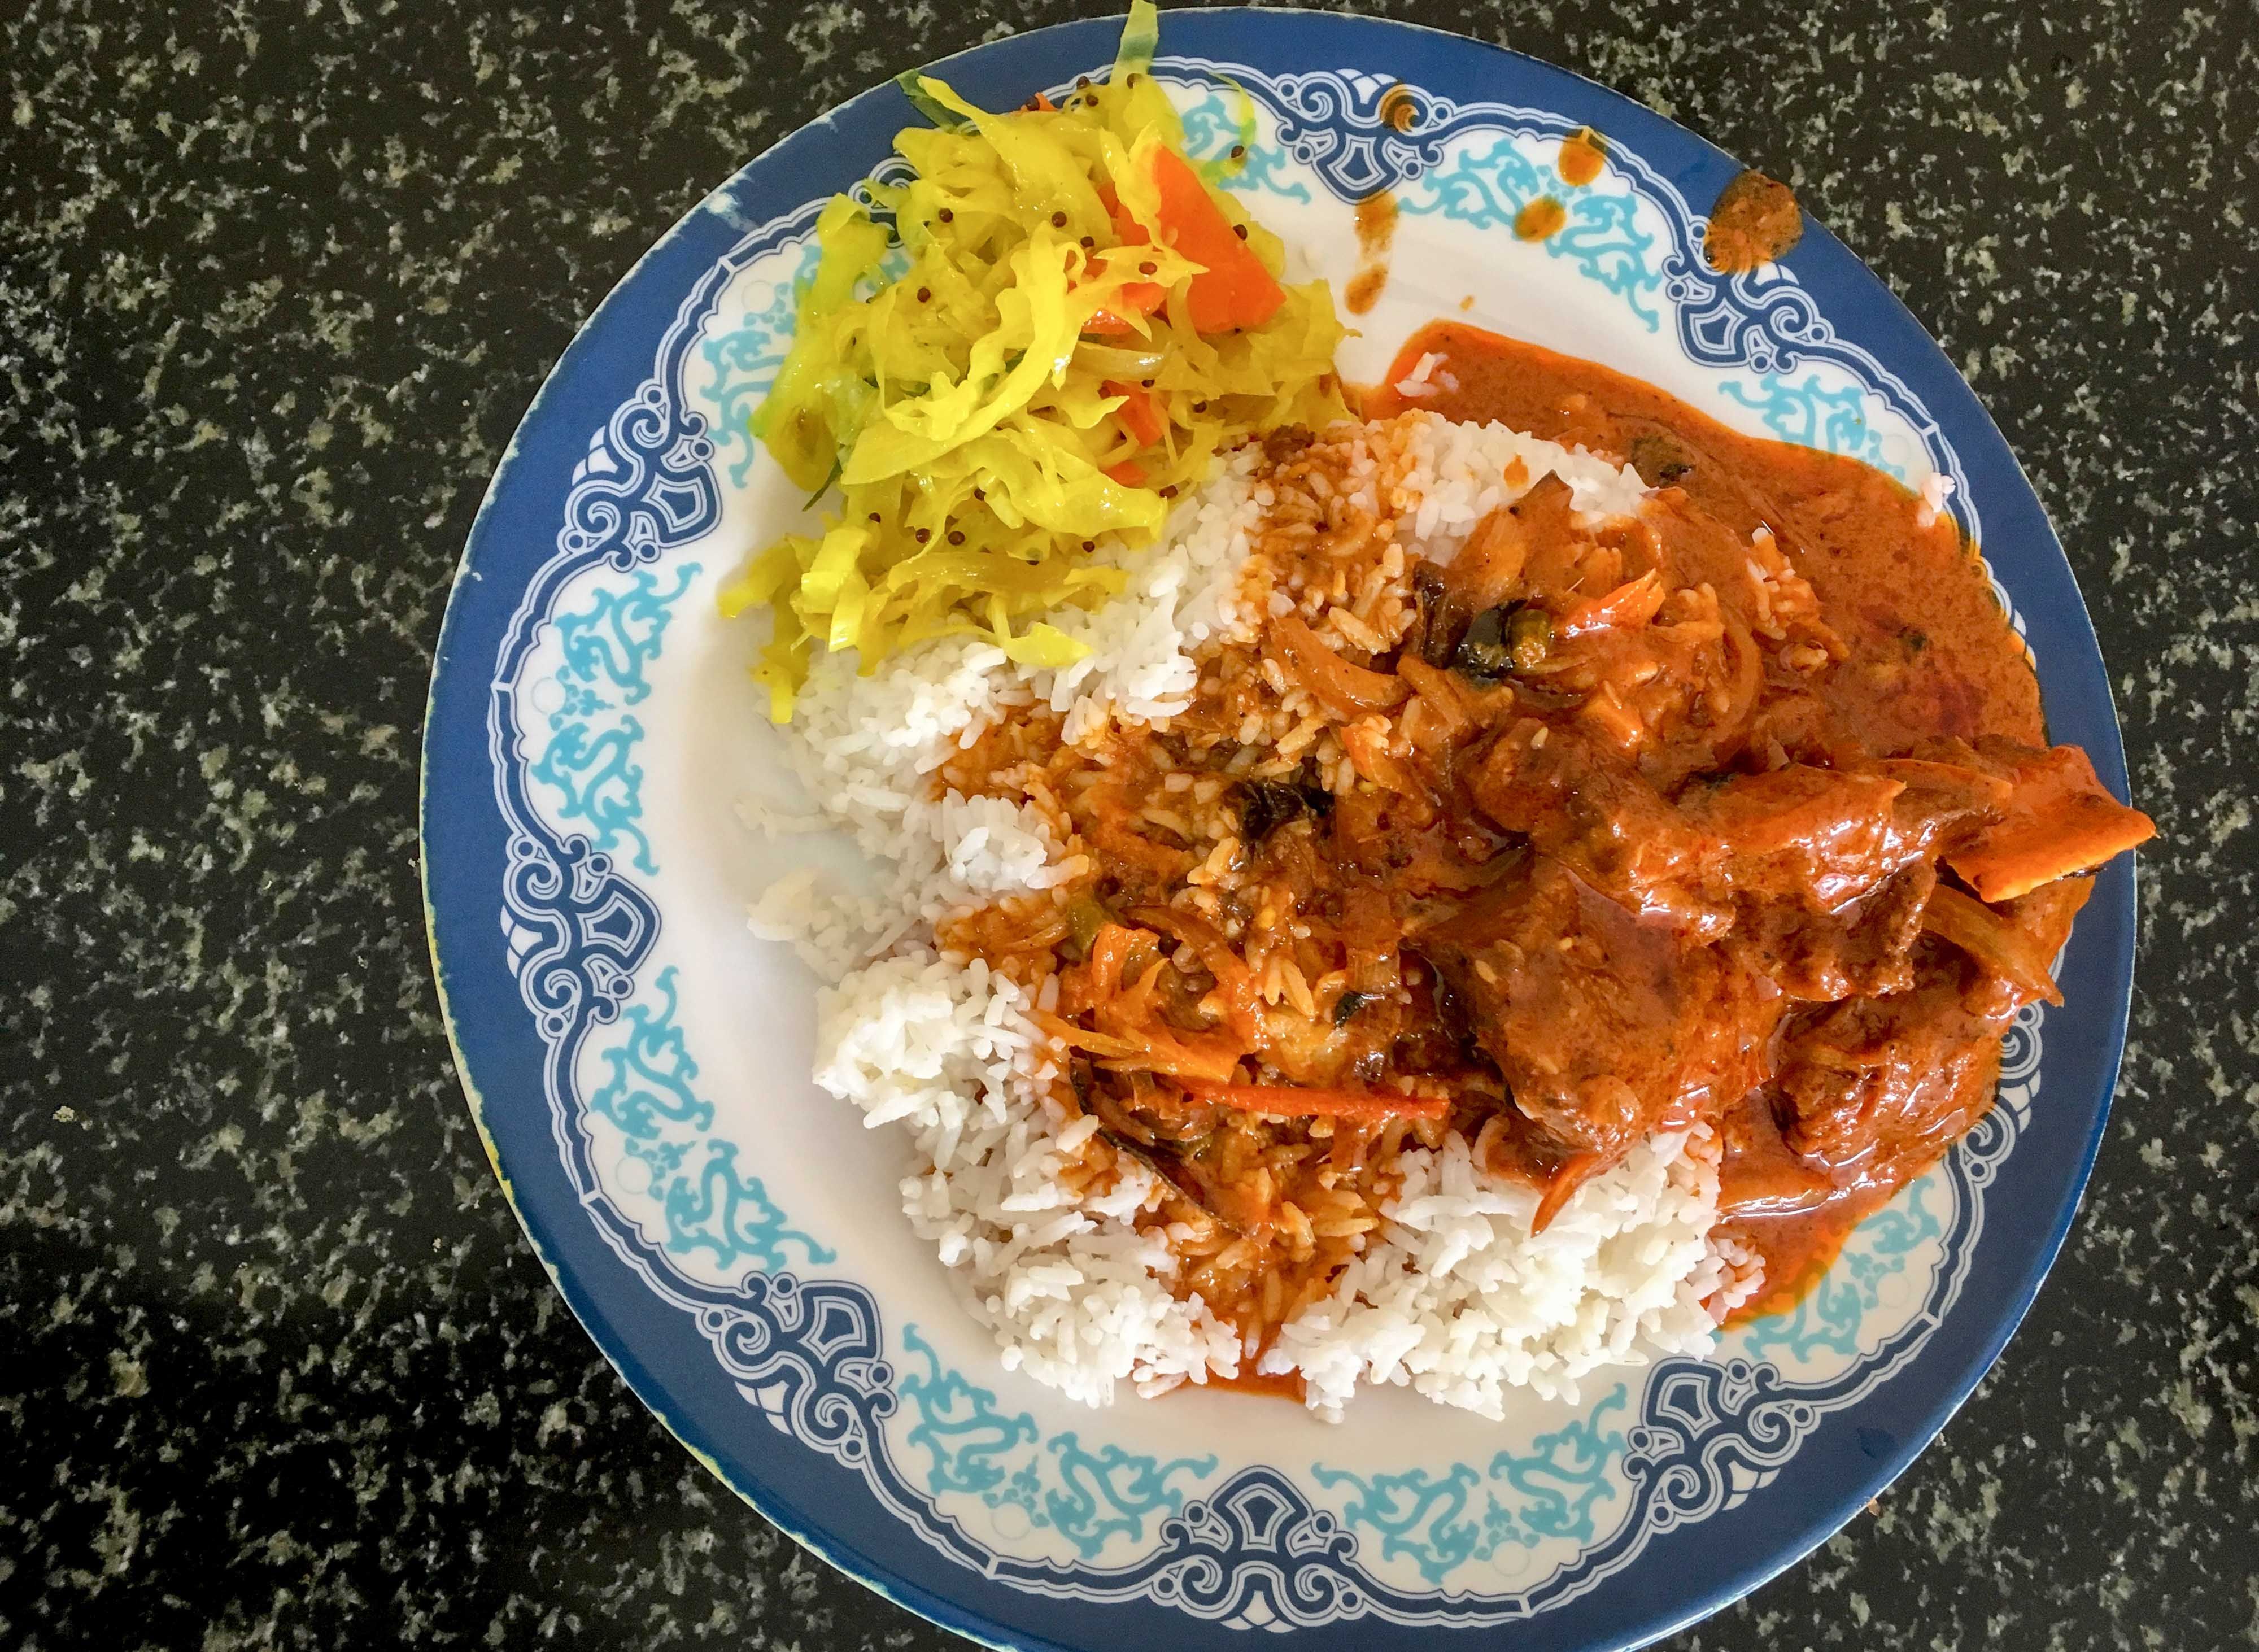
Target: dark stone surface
<point>276,280</point>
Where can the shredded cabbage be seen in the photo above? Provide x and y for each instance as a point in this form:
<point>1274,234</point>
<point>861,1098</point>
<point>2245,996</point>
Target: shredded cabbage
<point>976,411</point>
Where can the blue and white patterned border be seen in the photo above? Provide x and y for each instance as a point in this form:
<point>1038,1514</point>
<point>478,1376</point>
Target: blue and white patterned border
<point>808,1355</point>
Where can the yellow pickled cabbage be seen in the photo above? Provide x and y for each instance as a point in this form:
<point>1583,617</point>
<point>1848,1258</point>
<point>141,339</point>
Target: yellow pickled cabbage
<point>975,410</point>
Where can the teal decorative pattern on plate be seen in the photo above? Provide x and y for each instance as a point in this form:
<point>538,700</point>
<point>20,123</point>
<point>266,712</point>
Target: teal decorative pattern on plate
<point>1826,1319</point>
<point>590,759</point>
<point>975,1447</point>
<point>1566,1473</point>
<point>1425,1519</point>
<point>708,1205</point>
<point>1113,1491</point>
<point>728,1214</point>
<point>745,361</point>
<point>1211,130</point>
<point>1486,188</point>
<point>1812,415</point>
<point>958,1424</point>
<point>651,1073</point>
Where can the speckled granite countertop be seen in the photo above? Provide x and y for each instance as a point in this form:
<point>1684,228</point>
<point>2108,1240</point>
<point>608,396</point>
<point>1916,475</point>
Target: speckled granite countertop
<point>276,282</point>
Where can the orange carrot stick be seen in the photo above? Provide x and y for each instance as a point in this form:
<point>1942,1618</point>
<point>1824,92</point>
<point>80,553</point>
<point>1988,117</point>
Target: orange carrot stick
<point>1234,289</point>
<point>1141,298</point>
<point>1137,412</point>
<point>1292,1102</point>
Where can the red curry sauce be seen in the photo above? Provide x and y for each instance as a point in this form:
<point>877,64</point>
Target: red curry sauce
<point>1376,229</point>
<point>1930,651</point>
<point>1926,656</point>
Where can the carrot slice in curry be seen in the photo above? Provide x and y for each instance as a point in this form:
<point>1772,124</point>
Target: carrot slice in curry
<point>1233,289</point>
<point>1630,605</point>
<point>1286,1101</point>
<point>1571,1175</point>
<point>2058,820</point>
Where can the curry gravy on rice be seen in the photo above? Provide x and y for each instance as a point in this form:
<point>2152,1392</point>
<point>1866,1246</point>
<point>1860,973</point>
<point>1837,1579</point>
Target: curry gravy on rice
<point>1738,813</point>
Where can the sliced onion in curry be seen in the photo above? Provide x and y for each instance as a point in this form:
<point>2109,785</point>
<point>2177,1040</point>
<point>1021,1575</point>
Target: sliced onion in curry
<point>1992,940</point>
<point>1345,687</point>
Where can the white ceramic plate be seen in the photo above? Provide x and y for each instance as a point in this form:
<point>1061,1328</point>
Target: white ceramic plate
<point>731,1235</point>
